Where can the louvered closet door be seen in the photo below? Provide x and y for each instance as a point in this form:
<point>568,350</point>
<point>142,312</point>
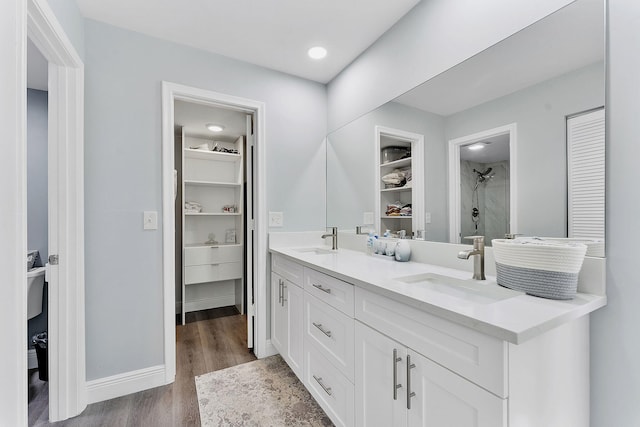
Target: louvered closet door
<point>585,142</point>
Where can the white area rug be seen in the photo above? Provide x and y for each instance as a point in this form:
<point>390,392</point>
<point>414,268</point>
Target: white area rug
<point>261,393</point>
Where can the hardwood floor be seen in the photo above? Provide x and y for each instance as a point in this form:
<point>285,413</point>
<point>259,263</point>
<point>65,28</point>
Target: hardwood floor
<point>211,340</point>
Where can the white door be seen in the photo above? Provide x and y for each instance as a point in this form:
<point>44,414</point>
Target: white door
<point>250,218</point>
<point>380,379</point>
<point>294,306</point>
<point>444,399</point>
<point>278,314</point>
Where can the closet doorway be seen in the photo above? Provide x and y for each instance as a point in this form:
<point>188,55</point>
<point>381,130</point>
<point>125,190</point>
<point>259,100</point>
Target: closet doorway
<point>213,180</point>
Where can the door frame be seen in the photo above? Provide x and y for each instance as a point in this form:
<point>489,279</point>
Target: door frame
<point>170,93</point>
<point>454,176</point>
<point>67,383</point>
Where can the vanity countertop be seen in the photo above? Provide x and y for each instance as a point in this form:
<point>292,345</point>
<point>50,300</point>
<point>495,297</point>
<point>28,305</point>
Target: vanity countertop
<point>515,319</point>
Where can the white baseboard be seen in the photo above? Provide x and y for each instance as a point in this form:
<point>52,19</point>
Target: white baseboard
<point>126,383</point>
<point>32,359</point>
<point>269,350</point>
<point>207,303</point>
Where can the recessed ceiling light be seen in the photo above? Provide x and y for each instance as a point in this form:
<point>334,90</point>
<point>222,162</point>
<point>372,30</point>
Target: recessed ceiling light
<point>476,146</point>
<point>215,128</point>
<point>317,52</point>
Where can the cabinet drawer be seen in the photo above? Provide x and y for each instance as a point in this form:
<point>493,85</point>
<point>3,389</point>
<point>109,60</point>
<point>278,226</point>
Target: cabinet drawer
<point>331,389</point>
<point>334,292</point>
<point>475,356</point>
<point>212,255</point>
<point>331,332</point>
<point>286,268</point>
<point>212,272</point>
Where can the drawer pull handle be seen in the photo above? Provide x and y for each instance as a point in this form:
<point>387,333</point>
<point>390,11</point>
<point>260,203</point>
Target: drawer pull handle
<point>396,386</point>
<point>325,290</point>
<point>410,393</point>
<point>215,265</point>
<point>324,387</point>
<point>323,330</point>
<point>214,247</point>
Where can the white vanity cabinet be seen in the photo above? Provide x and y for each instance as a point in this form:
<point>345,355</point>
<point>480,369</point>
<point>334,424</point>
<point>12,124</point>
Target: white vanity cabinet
<point>378,359</point>
<point>395,386</point>
<point>286,313</point>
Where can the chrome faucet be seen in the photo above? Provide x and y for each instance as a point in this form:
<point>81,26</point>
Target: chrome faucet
<point>334,237</point>
<point>478,252</point>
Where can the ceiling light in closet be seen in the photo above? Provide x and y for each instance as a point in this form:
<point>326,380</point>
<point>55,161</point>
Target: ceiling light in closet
<point>215,128</point>
<point>317,52</point>
<point>476,146</point>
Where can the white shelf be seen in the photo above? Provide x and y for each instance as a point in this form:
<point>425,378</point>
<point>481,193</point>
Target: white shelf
<point>191,153</point>
<point>211,183</point>
<point>396,189</point>
<point>397,163</point>
<point>210,245</point>
<point>212,214</point>
<point>396,217</point>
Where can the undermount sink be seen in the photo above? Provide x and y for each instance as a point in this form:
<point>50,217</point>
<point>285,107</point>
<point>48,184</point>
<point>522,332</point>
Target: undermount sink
<point>317,251</point>
<point>475,291</point>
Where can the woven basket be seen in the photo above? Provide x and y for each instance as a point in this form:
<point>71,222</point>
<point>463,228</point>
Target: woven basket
<point>543,269</point>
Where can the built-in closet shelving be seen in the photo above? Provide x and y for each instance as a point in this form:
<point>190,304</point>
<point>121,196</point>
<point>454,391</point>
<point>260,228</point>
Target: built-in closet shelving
<point>213,271</point>
<point>411,192</point>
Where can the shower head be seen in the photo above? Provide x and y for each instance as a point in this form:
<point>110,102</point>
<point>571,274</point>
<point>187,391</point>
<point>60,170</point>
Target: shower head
<point>482,176</point>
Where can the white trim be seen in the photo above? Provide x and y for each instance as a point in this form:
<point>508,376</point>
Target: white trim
<point>13,221</point>
<point>170,93</point>
<point>269,349</point>
<point>67,396</point>
<point>417,171</point>
<point>126,383</point>
<point>454,176</point>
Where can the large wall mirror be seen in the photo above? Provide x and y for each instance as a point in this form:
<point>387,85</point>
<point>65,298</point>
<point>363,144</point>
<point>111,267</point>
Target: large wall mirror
<point>495,131</point>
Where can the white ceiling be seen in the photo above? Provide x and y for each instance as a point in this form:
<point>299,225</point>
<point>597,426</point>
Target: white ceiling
<point>565,41</point>
<point>194,118</point>
<point>272,33</point>
<point>496,149</point>
<point>37,68</point>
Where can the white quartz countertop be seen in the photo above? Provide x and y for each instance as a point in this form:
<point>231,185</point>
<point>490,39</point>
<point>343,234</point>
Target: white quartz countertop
<point>516,319</point>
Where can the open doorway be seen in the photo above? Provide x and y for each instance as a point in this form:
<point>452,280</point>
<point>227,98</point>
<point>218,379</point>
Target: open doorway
<point>482,168</point>
<point>213,184</point>
<point>212,161</point>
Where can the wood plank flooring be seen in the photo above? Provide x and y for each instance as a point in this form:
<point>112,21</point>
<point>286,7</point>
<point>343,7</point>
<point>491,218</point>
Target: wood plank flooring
<point>211,340</point>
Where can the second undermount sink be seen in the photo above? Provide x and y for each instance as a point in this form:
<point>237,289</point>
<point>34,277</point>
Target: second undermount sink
<point>481,292</point>
<point>317,251</point>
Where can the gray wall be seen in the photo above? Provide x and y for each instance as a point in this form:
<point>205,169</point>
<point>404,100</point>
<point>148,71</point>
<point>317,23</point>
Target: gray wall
<point>37,191</point>
<point>433,37</point>
<point>72,21</point>
<point>615,344</point>
<point>539,111</point>
<point>124,71</point>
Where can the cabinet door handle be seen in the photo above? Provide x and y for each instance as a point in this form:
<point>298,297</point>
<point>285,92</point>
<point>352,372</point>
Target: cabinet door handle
<point>324,331</point>
<point>284,288</point>
<point>324,387</point>
<point>410,393</point>
<point>396,386</point>
<point>280,291</point>
<point>325,290</point>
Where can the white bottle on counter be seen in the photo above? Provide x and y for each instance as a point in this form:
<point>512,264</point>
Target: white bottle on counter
<point>403,250</point>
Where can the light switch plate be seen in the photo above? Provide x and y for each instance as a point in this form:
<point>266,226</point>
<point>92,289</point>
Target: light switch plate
<point>427,218</point>
<point>276,219</point>
<point>367,218</point>
<point>150,220</point>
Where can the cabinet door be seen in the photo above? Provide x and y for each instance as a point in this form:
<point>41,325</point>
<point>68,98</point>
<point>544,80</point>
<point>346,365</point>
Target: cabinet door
<point>278,315</point>
<point>295,327</point>
<point>445,399</point>
<point>378,399</point>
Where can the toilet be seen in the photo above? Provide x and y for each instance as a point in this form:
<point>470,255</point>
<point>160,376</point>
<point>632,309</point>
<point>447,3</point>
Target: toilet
<point>35,289</point>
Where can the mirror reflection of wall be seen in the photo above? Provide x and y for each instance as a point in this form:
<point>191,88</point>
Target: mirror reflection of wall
<point>535,79</point>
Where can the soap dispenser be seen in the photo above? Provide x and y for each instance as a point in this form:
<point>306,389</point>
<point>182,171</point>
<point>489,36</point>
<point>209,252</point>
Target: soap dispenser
<point>403,250</point>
